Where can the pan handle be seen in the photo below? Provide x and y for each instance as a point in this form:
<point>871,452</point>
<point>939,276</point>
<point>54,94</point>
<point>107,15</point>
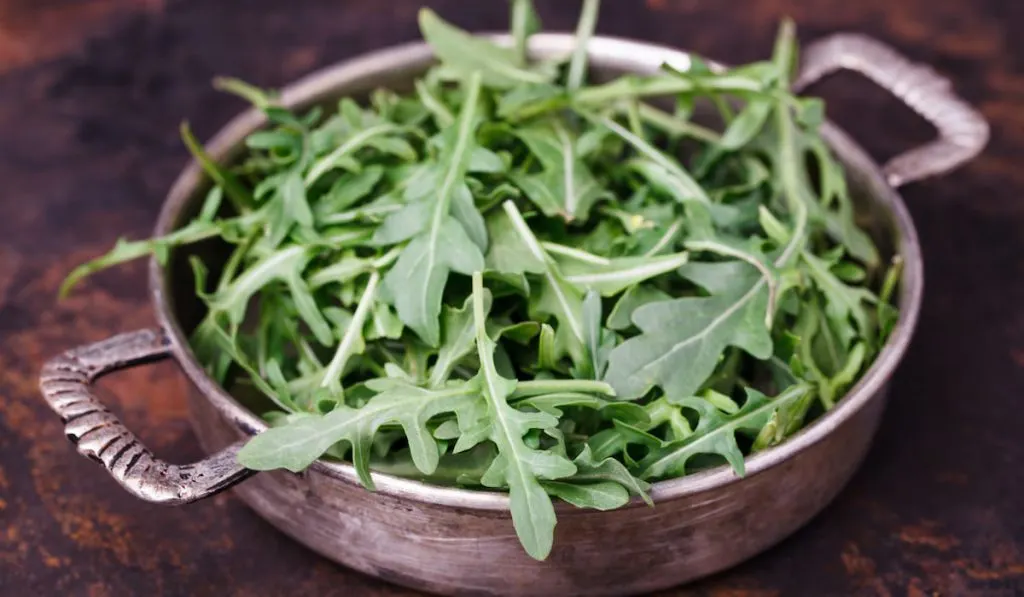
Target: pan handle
<point>99,434</point>
<point>963,132</point>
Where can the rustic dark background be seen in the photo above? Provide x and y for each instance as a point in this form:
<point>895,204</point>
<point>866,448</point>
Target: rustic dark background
<point>91,93</point>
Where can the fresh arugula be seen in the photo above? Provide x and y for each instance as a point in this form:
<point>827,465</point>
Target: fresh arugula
<point>511,278</point>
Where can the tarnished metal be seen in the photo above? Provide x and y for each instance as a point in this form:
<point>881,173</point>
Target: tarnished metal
<point>963,132</point>
<point>459,541</point>
<point>100,435</point>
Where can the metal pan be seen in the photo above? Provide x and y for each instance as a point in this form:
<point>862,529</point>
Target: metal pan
<point>460,541</point>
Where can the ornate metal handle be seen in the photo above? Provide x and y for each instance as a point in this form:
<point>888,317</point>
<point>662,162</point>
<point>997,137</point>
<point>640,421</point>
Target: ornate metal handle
<point>963,132</point>
<point>100,435</point>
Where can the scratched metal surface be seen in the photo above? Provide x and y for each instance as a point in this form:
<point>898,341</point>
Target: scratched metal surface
<point>91,92</point>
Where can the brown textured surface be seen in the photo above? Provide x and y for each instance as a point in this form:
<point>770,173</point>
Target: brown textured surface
<point>91,92</point>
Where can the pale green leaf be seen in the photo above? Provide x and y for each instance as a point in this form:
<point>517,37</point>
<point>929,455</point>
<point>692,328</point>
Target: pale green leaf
<point>466,54</point>
<point>556,297</point>
<point>566,186</point>
<point>621,317</point>
<point>682,339</point>
<point>418,278</point>
<point>517,465</point>
<point>295,446</point>
<point>458,338</point>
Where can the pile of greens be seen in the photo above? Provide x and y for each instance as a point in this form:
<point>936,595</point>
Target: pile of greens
<point>509,278</point>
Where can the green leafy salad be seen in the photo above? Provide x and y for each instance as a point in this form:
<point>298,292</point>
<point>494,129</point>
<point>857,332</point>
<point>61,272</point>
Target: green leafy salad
<point>513,278</point>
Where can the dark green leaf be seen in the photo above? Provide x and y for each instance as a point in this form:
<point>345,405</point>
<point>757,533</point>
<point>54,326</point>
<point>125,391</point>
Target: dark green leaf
<point>716,433</point>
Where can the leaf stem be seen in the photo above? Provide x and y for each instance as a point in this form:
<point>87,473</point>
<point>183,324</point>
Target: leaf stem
<point>456,170</point>
<point>332,374</point>
<point>795,201</point>
<point>661,85</point>
<point>574,253</point>
<point>344,217</point>
<point>644,148</point>
<point>584,31</point>
<point>240,198</point>
<point>441,113</point>
<point>537,387</point>
<point>767,274</point>
<point>331,160</point>
<point>666,239</point>
<point>522,12</point>
<point>675,126</point>
<point>553,279</point>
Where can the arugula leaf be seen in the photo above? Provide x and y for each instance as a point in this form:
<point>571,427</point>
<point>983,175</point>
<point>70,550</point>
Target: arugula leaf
<point>747,124</point>
<point>631,299</point>
<point>673,171</point>
<point>352,342</point>
<point>658,413</point>
<point>461,469</point>
<point>553,403</point>
<point>556,296</point>
<point>459,338</point>
<point>295,204</point>
<point>682,339</point>
<point>598,343</point>
<point>349,189</point>
<point>125,251</point>
<point>602,495</point>
<point>343,152</point>
<point>715,433</point>
<point>239,196</point>
<point>590,469</point>
<point>622,273</point>
<point>517,465</point>
<point>525,23</point>
<point>584,30</point>
<point>259,98</point>
<point>537,387</point>
<point>840,222</point>
<point>566,187</point>
<point>471,56</point>
<point>383,323</point>
<point>418,278</point>
<point>507,252</point>
<point>295,446</point>
<point>886,313</point>
<point>844,302</point>
<point>286,266</point>
<point>757,261</point>
<point>465,211</point>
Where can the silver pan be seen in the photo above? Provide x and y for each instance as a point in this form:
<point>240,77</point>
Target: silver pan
<point>460,541</point>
